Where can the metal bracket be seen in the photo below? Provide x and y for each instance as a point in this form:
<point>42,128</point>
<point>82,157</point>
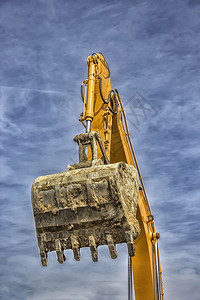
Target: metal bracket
<point>90,139</point>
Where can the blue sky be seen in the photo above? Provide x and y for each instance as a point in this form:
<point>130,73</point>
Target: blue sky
<point>152,48</point>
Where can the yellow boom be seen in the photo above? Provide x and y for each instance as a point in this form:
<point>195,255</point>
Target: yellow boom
<point>115,136</point>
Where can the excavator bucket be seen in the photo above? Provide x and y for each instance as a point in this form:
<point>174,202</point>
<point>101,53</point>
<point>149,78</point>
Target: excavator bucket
<point>89,205</point>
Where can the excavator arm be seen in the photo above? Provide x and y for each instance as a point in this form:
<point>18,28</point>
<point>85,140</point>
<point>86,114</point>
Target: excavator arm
<point>101,200</point>
<point>110,120</point>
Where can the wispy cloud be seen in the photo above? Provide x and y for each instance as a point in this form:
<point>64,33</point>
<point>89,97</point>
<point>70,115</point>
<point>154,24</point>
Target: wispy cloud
<point>153,49</point>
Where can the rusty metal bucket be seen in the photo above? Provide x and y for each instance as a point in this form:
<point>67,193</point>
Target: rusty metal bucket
<point>89,205</point>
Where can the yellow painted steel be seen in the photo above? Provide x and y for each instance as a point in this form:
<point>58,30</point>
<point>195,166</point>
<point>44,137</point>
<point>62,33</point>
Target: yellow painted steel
<point>96,110</point>
<point>118,148</point>
<point>160,273</point>
<point>91,89</point>
<point>143,262</point>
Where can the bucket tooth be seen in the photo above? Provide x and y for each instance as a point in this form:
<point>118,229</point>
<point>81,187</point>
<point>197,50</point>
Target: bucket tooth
<point>75,247</point>
<point>130,243</point>
<point>111,246</point>
<point>60,253</point>
<point>93,248</point>
<point>60,256</point>
<point>43,255</point>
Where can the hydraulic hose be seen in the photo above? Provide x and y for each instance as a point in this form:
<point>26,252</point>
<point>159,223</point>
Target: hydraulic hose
<point>82,96</point>
<point>115,99</point>
<point>106,101</point>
